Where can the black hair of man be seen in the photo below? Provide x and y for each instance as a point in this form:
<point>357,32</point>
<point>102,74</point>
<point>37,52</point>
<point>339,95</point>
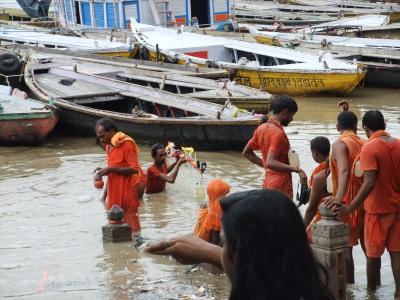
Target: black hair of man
<point>321,145</point>
<point>347,120</point>
<point>373,120</point>
<point>107,124</point>
<point>280,103</point>
<point>155,148</point>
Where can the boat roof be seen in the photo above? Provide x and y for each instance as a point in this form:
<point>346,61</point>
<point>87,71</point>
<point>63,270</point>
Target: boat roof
<point>29,36</point>
<point>167,40</point>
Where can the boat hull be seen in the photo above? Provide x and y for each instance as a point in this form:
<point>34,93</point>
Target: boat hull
<point>200,135</point>
<point>294,83</point>
<point>299,83</point>
<point>25,130</point>
<point>383,76</point>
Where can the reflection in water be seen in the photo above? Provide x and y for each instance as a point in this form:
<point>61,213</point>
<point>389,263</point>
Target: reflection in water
<point>51,218</point>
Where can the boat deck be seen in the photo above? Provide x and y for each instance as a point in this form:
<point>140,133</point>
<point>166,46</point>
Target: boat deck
<point>76,88</point>
<point>14,107</point>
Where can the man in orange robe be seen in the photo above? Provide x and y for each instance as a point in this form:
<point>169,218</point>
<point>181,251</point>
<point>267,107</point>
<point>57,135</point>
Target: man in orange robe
<point>123,171</point>
<point>379,159</point>
<point>271,139</point>
<point>159,173</point>
<point>345,152</point>
<point>320,148</point>
<point>208,226</point>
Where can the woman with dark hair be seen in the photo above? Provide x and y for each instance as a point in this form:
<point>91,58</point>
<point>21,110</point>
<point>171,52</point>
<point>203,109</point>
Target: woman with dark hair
<point>265,250</point>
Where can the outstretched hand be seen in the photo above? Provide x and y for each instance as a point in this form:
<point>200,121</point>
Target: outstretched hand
<point>344,104</point>
<point>186,249</point>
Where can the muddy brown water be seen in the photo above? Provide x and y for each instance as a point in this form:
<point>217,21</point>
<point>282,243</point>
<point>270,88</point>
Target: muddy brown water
<point>50,216</point>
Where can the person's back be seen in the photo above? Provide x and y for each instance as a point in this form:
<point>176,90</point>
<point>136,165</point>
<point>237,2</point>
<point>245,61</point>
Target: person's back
<point>384,155</point>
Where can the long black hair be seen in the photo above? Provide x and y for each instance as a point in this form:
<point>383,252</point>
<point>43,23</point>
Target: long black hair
<point>268,244</point>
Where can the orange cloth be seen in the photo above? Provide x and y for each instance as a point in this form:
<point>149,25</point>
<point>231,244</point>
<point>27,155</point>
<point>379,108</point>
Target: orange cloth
<point>380,231</point>
<point>212,221</point>
<point>154,183</point>
<point>117,140</point>
<point>121,189</point>
<point>384,157</point>
<point>355,220</point>
<point>271,137</point>
<point>320,168</point>
<point>199,230</point>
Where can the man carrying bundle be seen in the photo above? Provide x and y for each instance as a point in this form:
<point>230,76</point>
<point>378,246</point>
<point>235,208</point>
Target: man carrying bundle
<point>271,139</point>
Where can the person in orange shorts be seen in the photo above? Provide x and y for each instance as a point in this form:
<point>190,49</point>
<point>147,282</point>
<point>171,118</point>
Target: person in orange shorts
<point>344,154</point>
<point>380,193</point>
<point>159,173</point>
<point>123,171</point>
<point>271,139</point>
<point>320,147</point>
<point>208,225</point>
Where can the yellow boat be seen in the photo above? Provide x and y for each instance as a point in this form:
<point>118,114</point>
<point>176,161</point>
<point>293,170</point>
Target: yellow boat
<point>272,69</point>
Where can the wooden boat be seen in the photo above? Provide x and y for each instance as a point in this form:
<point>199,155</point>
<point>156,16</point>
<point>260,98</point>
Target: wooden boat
<point>139,64</point>
<point>22,120</point>
<point>43,39</point>
<point>217,91</point>
<point>273,69</point>
<point>149,115</point>
<point>380,56</point>
<point>262,7</point>
<point>385,47</point>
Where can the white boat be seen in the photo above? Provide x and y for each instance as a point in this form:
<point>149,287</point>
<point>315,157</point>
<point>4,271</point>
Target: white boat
<point>41,39</point>
<point>273,69</point>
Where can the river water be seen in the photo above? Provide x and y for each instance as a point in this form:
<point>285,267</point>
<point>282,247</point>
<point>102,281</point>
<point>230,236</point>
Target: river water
<point>50,217</point>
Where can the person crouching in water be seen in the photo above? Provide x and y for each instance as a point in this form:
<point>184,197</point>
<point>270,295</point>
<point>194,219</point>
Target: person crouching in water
<point>123,171</point>
<point>208,225</point>
<point>159,173</point>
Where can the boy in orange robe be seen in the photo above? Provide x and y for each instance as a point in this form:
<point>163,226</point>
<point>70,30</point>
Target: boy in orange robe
<point>208,225</point>
<point>271,139</point>
<point>320,147</point>
<point>379,160</point>
<point>158,173</point>
<point>123,171</point>
<point>346,185</point>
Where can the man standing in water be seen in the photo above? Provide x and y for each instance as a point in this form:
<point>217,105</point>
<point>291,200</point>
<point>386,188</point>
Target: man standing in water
<point>122,171</point>
<point>271,139</point>
<point>379,160</point>
<point>345,152</point>
<point>159,173</point>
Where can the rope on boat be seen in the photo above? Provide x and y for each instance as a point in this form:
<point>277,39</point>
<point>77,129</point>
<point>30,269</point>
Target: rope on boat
<point>8,76</point>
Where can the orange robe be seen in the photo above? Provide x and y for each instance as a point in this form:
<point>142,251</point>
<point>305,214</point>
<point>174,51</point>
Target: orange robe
<point>154,183</point>
<point>210,218</point>
<point>121,190</point>
<point>320,168</point>
<point>355,220</point>
<point>271,137</point>
<point>382,205</point>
